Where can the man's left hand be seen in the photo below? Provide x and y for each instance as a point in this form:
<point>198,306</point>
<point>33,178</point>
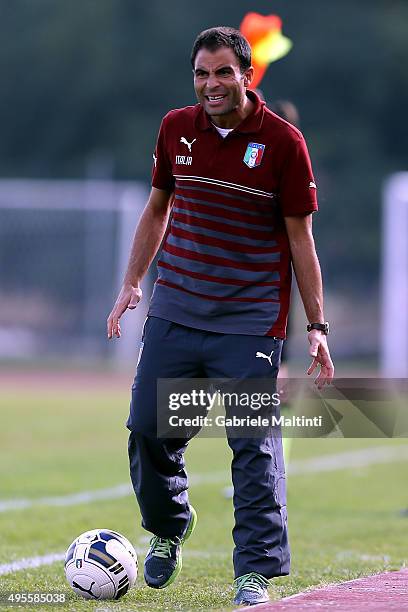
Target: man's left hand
<point>320,351</point>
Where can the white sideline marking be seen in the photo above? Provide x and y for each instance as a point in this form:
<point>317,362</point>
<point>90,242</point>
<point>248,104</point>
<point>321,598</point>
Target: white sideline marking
<point>22,564</point>
<point>33,562</point>
<point>349,459</point>
<point>67,500</point>
<point>352,554</point>
<point>323,463</point>
<point>84,497</point>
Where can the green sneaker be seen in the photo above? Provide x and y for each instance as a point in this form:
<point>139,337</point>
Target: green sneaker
<point>251,589</point>
<point>163,561</point>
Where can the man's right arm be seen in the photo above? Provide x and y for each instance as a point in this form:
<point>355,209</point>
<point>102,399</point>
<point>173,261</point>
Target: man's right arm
<point>146,242</point>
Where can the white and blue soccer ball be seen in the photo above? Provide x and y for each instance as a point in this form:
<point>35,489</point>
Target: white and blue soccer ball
<point>101,564</point>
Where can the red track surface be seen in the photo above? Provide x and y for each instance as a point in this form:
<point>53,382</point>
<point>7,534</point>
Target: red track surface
<point>380,593</point>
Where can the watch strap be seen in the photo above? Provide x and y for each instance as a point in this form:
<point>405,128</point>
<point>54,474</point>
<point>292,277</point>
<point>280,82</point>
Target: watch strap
<point>323,327</point>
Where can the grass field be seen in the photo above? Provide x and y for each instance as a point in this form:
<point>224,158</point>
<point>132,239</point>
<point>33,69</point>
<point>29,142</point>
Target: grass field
<point>343,523</point>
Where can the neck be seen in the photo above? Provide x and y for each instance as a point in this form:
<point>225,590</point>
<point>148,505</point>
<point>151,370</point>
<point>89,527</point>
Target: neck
<point>235,117</point>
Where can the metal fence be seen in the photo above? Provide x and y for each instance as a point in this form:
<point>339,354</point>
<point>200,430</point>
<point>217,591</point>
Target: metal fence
<point>63,250</point>
<point>64,246</point>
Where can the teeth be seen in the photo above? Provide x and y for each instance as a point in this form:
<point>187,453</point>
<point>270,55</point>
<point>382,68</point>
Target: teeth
<point>213,98</point>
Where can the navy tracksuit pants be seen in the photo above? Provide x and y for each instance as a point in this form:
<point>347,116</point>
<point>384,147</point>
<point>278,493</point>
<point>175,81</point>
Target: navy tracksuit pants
<point>157,468</point>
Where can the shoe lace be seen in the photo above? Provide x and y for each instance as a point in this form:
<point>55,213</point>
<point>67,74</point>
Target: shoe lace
<point>252,581</point>
<point>161,547</point>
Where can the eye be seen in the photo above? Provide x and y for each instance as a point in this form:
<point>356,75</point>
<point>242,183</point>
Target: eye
<point>224,72</point>
<point>200,74</point>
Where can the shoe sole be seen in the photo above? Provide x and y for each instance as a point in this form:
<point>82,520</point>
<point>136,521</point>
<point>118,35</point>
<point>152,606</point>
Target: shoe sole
<point>250,603</point>
<point>179,565</point>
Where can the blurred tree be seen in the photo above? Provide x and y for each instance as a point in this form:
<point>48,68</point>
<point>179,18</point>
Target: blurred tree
<point>91,78</point>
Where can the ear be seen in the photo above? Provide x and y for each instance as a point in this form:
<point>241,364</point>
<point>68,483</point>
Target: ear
<point>248,76</point>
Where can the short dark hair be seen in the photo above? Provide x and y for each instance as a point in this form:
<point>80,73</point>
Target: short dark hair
<point>222,36</point>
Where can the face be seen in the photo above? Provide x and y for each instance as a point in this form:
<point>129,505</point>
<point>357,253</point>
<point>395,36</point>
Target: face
<point>219,83</point>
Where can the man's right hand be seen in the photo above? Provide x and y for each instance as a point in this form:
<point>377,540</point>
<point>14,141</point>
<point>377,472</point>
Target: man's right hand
<point>129,297</point>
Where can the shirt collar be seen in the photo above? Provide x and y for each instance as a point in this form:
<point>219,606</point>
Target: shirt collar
<point>252,123</point>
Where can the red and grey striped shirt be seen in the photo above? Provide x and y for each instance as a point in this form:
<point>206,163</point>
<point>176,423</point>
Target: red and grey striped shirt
<point>225,265</point>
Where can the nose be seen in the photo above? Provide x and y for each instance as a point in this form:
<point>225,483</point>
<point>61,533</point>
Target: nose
<point>212,81</point>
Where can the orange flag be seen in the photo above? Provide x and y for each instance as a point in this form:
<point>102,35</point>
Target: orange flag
<point>264,34</point>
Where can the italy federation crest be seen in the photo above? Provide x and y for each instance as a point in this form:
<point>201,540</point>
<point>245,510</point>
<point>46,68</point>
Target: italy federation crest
<point>253,154</point>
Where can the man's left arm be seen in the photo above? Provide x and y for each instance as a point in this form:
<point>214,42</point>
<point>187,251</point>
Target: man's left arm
<point>309,280</point>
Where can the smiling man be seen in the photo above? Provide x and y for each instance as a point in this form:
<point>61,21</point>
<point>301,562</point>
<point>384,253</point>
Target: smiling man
<point>237,184</point>
<point>220,81</point>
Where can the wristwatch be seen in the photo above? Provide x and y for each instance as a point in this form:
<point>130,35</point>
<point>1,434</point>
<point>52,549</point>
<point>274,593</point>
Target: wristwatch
<point>323,327</point>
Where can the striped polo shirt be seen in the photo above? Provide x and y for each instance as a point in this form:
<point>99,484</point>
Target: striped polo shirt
<point>225,263</point>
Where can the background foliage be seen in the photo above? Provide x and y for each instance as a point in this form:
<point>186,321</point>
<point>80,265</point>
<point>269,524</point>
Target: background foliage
<point>89,80</point>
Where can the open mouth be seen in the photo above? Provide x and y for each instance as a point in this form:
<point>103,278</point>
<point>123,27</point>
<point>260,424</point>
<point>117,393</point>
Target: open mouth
<point>215,99</point>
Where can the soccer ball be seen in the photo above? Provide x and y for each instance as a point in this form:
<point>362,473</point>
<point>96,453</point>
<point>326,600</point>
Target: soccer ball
<point>101,564</point>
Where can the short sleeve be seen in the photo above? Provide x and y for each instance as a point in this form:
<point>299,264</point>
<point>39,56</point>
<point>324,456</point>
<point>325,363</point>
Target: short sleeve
<point>162,175</point>
<point>297,186</point>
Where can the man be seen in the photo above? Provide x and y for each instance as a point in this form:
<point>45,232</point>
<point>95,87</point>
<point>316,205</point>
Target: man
<point>221,297</point>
